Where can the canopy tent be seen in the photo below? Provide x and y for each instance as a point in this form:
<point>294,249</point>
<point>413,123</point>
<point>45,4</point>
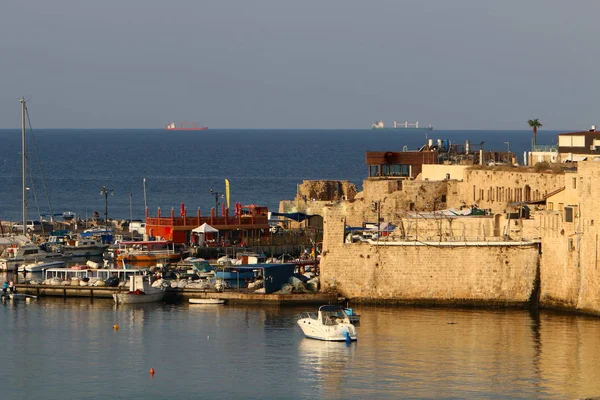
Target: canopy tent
<point>296,216</point>
<point>205,228</point>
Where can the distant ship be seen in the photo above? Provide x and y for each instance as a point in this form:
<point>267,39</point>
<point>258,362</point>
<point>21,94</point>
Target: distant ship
<point>409,126</point>
<point>185,126</point>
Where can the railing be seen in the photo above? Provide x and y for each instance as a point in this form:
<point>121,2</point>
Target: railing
<point>195,221</point>
<point>545,148</point>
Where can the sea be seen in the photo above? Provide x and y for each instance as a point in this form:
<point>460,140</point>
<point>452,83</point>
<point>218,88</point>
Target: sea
<point>54,348</point>
<point>67,168</point>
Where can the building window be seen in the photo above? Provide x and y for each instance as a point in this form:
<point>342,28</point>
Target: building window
<point>568,214</point>
<point>550,206</point>
<point>574,183</point>
<point>560,206</point>
<point>374,170</point>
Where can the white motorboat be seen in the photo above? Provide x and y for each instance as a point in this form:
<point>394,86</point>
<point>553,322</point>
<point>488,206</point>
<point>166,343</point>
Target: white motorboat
<point>330,323</point>
<point>14,257</point>
<point>140,291</point>
<point>41,266</point>
<point>207,301</point>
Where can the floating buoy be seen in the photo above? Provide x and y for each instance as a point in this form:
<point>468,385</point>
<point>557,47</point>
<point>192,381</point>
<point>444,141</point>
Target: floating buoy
<point>116,327</point>
<point>152,371</point>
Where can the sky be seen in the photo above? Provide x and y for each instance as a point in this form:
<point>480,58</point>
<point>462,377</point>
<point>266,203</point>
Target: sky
<point>457,64</point>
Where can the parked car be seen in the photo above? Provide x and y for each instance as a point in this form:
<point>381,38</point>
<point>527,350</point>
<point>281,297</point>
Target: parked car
<point>32,226</point>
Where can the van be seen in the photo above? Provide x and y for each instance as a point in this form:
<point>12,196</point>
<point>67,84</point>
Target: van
<point>137,228</point>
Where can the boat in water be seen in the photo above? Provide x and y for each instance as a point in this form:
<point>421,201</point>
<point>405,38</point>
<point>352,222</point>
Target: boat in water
<point>140,291</point>
<point>13,258</point>
<point>402,126</point>
<point>185,126</point>
<point>352,316</point>
<point>207,301</point>
<point>330,323</point>
<point>41,266</point>
<point>145,253</point>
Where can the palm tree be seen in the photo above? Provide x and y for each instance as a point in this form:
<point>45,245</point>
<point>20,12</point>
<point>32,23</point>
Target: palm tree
<point>534,124</point>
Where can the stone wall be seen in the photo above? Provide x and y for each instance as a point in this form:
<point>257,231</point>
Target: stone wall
<point>494,188</point>
<point>456,274</point>
<point>570,261</point>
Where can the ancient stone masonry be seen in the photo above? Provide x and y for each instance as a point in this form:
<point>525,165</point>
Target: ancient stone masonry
<point>552,255</point>
<point>326,191</point>
<point>449,273</point>
<point>494,189</point>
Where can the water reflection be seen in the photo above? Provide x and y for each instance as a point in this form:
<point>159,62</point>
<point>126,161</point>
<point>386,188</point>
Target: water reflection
<point>401,352</point>
<point>326,365</point>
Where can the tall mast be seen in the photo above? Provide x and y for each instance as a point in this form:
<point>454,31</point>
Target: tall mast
<point>24,164</point>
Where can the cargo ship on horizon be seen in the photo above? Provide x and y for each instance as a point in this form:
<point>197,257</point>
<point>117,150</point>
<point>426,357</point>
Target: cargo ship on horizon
<point>409,126</point>
<point>185,126</point>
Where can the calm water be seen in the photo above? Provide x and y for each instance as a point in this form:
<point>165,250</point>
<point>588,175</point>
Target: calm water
<point>55,349</point>
<point>263,166</point>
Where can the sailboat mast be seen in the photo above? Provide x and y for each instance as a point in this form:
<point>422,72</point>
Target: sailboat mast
<point>24,164</point>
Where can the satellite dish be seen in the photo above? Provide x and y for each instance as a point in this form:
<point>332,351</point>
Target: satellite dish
<point>405,148</point>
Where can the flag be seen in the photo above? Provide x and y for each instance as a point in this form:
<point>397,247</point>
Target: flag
<point>227,192</point>
<point>182,210</point>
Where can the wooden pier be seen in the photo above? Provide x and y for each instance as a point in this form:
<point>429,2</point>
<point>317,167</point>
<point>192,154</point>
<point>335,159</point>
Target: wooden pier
<point>175,295</point>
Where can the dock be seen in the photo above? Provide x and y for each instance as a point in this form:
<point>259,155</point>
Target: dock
<point>175,295</point>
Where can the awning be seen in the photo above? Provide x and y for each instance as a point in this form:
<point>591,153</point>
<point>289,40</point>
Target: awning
<point>205,228</point>
<point>297,216</point>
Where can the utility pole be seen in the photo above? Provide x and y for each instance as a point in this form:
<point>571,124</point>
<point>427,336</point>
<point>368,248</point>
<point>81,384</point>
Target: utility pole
<point>104,191</point>
<point>217,196</point>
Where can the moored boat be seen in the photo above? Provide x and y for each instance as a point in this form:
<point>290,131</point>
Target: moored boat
<point>150,252</point>
<point>14,257</point>
<point>140,291</point>
<point>352,316</point>
<point>207,301</point>
<point>330,323</point>
<point>41,266</point>
<point>84,247</point>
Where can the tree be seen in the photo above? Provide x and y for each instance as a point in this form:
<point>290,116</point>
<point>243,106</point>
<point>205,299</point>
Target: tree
<point>534,124</point>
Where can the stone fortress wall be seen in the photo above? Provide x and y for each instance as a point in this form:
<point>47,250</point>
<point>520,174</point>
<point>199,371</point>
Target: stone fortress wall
<point>553,255</point>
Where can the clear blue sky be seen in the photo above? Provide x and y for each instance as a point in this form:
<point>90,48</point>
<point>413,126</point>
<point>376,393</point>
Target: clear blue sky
<point>471,64</point>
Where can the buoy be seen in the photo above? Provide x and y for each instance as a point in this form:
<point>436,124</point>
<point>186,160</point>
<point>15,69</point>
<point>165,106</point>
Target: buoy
<point>116,327</point>
<point>152,371</point>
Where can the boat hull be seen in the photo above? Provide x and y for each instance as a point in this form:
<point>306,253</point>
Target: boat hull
<point>207,301</point>
<point>132,298</point>
<point>333,333</point>
<point>90,251</point>
<point>38,267</point>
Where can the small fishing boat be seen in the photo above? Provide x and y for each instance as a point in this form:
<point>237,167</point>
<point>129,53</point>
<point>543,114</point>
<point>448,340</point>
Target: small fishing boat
<point>140,291</point>
<point>207,301</point>
<point>330,323</point>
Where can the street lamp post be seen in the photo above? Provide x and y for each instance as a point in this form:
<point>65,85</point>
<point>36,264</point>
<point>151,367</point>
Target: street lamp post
<point>217,197</point>
<point>104,191</point>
